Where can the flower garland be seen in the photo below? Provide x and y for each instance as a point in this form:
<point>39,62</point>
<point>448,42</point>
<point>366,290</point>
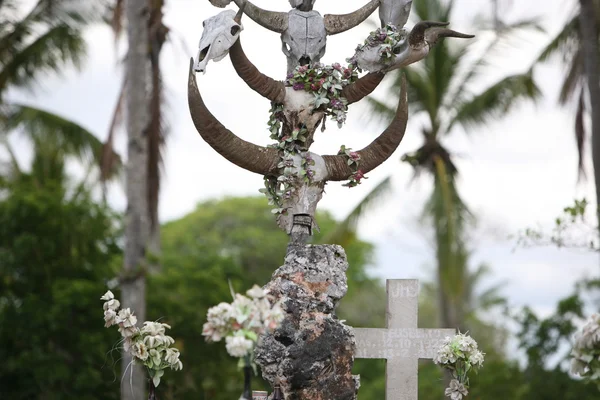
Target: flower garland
<point>148,346</point>
<point>459,355</point>
<point>353,162</point>
<point>586,351</point>
<point>388,39</point>
<point>326,83</point>
<point>242,322</point>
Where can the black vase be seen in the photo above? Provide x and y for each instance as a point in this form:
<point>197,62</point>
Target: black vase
<point>152,391</point>
<point>247,377</point>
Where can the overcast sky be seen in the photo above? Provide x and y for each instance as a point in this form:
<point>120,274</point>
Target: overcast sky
<point>515,173</point>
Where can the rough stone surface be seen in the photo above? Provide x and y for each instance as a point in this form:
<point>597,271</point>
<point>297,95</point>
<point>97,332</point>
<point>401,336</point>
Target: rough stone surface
<point>311,354</point>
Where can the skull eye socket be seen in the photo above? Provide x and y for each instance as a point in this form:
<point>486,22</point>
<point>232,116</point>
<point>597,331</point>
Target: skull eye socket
<point>235,30</point>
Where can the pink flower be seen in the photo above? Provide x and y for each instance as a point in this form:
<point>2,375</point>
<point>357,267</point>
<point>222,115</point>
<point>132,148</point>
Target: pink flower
<point>298,86</point>
<point>337,67</point>
<point>302,69</point>
<point>354,156</point>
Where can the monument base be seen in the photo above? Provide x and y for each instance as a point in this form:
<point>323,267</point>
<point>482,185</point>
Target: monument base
<point>311,355</point>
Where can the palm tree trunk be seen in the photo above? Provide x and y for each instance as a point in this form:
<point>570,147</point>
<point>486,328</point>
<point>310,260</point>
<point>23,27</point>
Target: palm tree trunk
<point>589,36</point>
<point>136,222</point>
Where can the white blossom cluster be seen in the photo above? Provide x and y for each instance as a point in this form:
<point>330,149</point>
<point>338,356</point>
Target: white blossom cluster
<point>459,355</point>
<point>149,345</point>
<point>243,321</point>
<point>586,350</point>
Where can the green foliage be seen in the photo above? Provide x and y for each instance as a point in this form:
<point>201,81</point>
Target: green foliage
<point>43,38</point>
<point>56,255</point>
<point>570,230</point>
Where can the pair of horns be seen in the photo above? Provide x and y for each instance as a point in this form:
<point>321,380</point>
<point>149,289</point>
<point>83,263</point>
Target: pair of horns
<point>430,32</point>
<point>278,21</point>
<point>263,160</point>
<point>275,90</point>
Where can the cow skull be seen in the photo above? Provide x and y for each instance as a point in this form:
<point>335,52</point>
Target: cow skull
<point>394,12</point>
<point>408,50</point>
<point>304,41</point>
<point>220,33</point>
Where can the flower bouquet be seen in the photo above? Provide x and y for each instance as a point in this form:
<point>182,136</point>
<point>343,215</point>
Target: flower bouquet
<point>148,346</point>
<point>241,323</point>
<point>460,356</point>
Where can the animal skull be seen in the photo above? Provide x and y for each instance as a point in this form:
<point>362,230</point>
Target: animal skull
<point>394,12</point>
<point>304,41</point>
<point>220,33</point>
<point>369,58</point>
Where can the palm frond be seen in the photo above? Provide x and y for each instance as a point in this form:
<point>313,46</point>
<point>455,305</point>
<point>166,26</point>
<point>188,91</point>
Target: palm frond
<point>45,127</point>
<point>349,224</point>
<point>564,42</point>
<point>496,101</point>
<point>50,51</point>
<point>574,79</point>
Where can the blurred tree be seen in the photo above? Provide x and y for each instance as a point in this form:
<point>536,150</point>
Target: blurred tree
<point>156,124</point>
<point>442,88</point>
<point>577,45</point>
<point>58,250</point>
<point>33,42</point>
<point>138,225</point>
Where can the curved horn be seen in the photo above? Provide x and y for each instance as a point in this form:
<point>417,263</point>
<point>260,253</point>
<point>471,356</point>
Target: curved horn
<point>378,151</point>
<point>260,83</point>
<point>435,34</point>
<point>246,155</point>
<point>362,87</point>
<point>417,35</point>
<point>274,21</point>
<point>340,23</point>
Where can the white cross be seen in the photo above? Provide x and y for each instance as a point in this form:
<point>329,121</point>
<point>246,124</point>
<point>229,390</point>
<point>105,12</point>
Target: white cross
<point>402,344</point>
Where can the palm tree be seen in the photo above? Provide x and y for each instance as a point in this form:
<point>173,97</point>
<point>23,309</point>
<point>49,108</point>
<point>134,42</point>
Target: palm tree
<point>577,44</point>
<point>45,39</point>
<point>440,87</point>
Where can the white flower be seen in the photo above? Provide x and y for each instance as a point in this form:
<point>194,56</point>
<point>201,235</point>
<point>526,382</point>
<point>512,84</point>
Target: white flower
<point>127,332</point>
<point>171,355</point>
<point>139,350</point>
<point>220,315</point>
<point>256,292</point>
<point>466,343</point>
<point>126,319</point>
<point>154,328</point>
<point>578,367</point>
<point>110,318</point>
<point>154,334</point>
<point>476,358</point>
<point>113,304</point>
<point>238,346</point>
<point>456,390</point>
<point>241,308</point>
<point>212,333</point>
<point>108,296</point>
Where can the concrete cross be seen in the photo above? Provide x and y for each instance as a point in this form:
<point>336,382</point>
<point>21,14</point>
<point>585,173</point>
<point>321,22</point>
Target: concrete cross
<point>401,343</point>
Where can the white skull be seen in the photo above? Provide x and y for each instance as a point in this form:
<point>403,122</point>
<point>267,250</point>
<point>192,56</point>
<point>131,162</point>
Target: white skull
<point>394,12</point>
<point>305,39</point>
<point>220,33</point>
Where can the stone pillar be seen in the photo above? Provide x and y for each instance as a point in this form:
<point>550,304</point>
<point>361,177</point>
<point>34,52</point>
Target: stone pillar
<point>311,354</point>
